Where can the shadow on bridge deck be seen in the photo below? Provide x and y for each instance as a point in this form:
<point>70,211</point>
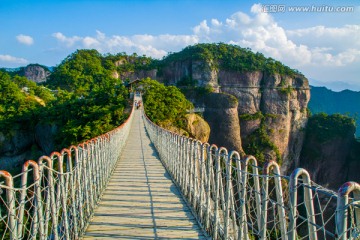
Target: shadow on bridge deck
<point>141,201</point>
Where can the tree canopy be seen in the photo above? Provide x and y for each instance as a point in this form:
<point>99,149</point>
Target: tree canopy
<point>230,57</point>
<point>84,101</point>
<point>162,103</point>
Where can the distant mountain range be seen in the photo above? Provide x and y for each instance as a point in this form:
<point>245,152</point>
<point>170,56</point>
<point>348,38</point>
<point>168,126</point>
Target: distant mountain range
<point>328,101</point>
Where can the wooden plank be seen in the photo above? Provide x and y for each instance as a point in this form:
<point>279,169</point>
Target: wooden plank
<point>141,201</point>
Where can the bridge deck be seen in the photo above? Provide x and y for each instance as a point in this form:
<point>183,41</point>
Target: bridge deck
<point>141,201</point>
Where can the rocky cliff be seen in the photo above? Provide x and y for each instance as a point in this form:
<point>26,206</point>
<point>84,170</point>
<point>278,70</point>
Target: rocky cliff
<point>271,103</point>
<point>22,142</point>
<point>35,72</point>
<point>330,152</point>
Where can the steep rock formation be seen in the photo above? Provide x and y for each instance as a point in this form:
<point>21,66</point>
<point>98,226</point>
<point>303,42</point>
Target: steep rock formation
<point>330,153</point>
<point>15,147</point>
<point>45,137</point>
<point>323,160</point>
<point>138,74</point>
<point>23,142</point>
<point>198,127</point>
<point>35,72</point>
<point>222,115</point>
<point>282,101</point>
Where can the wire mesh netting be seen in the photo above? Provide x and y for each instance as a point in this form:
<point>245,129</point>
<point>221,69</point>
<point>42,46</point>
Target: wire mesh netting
<point>54,197</point>
<point>234,198</point>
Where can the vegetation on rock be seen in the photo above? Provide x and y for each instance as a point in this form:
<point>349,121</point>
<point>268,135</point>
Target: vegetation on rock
<point>85,101</point>
<point>324,127</point>
<point>168,107</point>
<point>165,103</point>
<point>259,141</point>
<point>20,99</point>
<point>345,102</point>
<point>230,57</point>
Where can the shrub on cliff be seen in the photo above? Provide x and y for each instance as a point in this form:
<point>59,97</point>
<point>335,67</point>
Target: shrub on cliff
<point>162,103</point>
<point>231,57</point>
<point>325,127</point>
<point>89,100</point>
<point>20,100</point>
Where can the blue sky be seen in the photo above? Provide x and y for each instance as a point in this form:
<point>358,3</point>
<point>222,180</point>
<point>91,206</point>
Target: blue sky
<point>324,44</point>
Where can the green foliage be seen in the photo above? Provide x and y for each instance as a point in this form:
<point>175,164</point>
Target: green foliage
<point>187,82</point>
<point>259,141</point>
<point>130,63</point>
<point>330,102</point>
<point>87,101</point>
<point>80,72</point>
<point>248,117</point>
<point>286,90</point>
<point>325,127</point>
<point>230,57</point>
<point>163,103</point>
<point>20,99</point>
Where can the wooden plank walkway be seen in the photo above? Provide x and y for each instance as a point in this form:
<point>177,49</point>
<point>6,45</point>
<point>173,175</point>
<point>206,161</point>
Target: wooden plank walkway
<point>141,201</point>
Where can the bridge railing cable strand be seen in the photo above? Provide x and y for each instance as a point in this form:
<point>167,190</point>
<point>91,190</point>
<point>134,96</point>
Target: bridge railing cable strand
<point>235,198</point>
<point>54,198</point>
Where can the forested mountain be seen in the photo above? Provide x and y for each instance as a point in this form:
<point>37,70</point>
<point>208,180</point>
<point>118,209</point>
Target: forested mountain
<point>253,104</point>
<point>81,100</point>
<point>344,102</point>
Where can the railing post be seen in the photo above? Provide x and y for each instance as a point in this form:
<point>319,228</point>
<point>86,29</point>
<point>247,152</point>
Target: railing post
<point>217,189</point>
<point>243,228</point>
<point>38,223</point>
<point>342,208</point>
<point>203,187</point>
<point>209,170</point>
<point>10,199</point>
<point>228,190</point>
<point>300,172</point>
<point>51,201</point>
<point>265,198</point>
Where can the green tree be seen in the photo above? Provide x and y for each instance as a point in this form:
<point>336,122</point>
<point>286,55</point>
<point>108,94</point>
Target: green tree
<point>163,103</point>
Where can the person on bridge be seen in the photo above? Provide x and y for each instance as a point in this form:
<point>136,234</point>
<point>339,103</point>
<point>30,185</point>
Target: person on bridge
<point>136,104</point>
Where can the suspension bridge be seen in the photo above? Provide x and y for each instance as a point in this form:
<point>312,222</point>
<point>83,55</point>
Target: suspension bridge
<point>140,181</point>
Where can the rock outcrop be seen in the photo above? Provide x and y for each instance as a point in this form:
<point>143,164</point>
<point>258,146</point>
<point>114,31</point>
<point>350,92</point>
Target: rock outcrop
<point>330,153</point>
<point>35,72</point>
<point>281,101</point>
<point>221,113</point>
<point>197,127</point>
<point>15,147</point>
<point>23,142</point>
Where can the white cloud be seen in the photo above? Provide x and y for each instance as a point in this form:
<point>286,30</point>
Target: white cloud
<point>8,59</point>
<point>24,39</point>
<point>320,52</point>
<point>155,46</point>
<point>69,41</point>
<point>90,42</point>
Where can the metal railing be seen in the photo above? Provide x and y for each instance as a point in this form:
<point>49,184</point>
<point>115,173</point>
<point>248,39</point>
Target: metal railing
<point>234,198</point>
<point>57,202</point>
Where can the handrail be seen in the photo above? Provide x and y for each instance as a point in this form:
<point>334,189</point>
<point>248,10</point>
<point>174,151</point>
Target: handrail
<point>58,201</point>
<point>232,200</point>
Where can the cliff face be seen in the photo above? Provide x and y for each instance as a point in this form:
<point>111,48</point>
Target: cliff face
<point>222,115</point>
<point>275,103</point>
<point>22,143</point>
<point>35,72</point>
<point>333,162</point>
<point>330,153</point>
